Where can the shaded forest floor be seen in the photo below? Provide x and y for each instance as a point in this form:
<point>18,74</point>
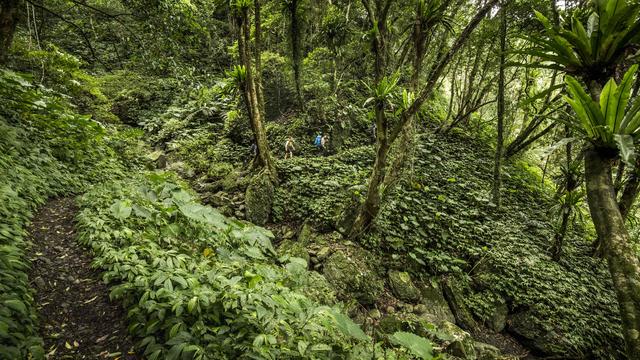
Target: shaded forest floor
<point>77,319</point>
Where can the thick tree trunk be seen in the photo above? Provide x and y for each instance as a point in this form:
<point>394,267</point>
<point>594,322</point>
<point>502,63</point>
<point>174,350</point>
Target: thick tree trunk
<point>258,56</point>
<point>8,21</point>
<point>295,35</point>
<point>624,265</point>
<point>263,159</point>
<point>629,193</point>
<point>369,209</point>
<point>497,178</point>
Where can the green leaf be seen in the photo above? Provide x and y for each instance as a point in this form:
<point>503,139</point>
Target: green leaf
<point>417,345</point>
<point>302,347</point>
<point>16,305</point>
<point>121,209</point>
<point>627,149</point>
<point>175,351</point>
<point>191,305</point>
<point>349,328</point>
<point>141,211</point>
<point>609,104</point>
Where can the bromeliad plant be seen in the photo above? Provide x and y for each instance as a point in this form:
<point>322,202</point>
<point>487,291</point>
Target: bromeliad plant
<point>592,51</point>
<point>608,123</point>
<point>594,54</point>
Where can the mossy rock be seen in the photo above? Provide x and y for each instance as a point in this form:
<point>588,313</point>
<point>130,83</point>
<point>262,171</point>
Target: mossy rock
<point>293,249</point>
<point>259,198</point>
<point>438,310</point>
<point>498,318</point>
<point>403,287</point>
<point>305,236</point>
<point>352,277</point>
<point>390,323</point>
<point>319,289</point>
<point>486,351</point>
<point>462,344</point>
<point>453,291</point>
<point>526,326</point>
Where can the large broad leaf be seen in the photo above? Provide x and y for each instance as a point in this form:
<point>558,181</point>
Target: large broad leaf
<point>418,346</point>
<point>121,209</point>
<point>348,327</point>
<point>622,96</point>
<point>627,149</point>
<point>588,111</point>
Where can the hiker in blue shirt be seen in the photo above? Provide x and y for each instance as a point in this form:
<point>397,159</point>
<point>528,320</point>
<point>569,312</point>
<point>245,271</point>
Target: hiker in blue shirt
<point>318,142</point>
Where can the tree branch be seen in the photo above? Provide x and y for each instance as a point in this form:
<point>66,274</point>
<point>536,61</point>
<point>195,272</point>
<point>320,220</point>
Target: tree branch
<point>437,71</point>
<point>76,26</point>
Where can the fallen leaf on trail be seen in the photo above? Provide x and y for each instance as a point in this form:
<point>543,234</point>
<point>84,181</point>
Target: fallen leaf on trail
<point>101,339</point>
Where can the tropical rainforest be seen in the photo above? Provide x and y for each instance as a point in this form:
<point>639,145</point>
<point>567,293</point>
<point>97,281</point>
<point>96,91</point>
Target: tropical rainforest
<point>319,179</point>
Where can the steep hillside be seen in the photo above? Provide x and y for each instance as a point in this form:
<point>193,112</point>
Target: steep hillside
<point>440,226</point>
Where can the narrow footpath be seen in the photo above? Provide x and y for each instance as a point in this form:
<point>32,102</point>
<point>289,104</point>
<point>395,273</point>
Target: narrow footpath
<point>76,318</point>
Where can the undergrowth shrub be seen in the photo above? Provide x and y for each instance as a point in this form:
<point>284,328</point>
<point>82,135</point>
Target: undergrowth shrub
<point>201,286</point>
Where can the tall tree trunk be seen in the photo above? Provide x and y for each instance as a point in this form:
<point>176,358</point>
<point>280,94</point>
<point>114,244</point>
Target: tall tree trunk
<point>624,265</point>
<point>371,206</point>
<point>629,193</point>
<point>258,55</point>
<point>263,159</point>
<point>377,13</point>
<point>295,36</point>
<point>571,184</point>
<point>8,21</point>
<point>497,178</point>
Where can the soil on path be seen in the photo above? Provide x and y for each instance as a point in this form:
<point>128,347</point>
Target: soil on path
<point>77,320</point>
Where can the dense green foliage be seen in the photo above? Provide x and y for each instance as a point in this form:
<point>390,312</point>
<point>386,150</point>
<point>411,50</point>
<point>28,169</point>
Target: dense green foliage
<point>200,285</point>
<point>47,149</point>
<point>386,240</point>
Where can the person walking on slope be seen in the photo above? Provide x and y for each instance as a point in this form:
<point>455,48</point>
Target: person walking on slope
<point>323,144</point>
<point>289,148</point>
<point>318,141</point>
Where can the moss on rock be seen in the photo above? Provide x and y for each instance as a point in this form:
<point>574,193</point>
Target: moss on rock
<point>403,287</point>
<point>462,345</point>
<point>352,277</point>
<point>438,309</point>
<point>259,198</point>
<point>294,249</point>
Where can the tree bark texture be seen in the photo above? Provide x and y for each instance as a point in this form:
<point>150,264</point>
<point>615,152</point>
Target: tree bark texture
<point>497,178</point>
<point>263,159</point>
<point>8,21</point>
<point>624,265</point>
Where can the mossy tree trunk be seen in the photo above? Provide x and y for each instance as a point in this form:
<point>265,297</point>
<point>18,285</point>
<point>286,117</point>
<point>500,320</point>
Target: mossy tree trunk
<point>8,21</point>
<point>497,176</point>
<point>624,265</point>
<point>377,12</point>
<point>258,55</point>
<point>571,184</point>
<point>629,192</point>
<point>295,39</point>
<point>263,159</point>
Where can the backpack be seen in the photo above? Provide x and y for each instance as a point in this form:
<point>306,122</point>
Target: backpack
<point>317,142</point>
